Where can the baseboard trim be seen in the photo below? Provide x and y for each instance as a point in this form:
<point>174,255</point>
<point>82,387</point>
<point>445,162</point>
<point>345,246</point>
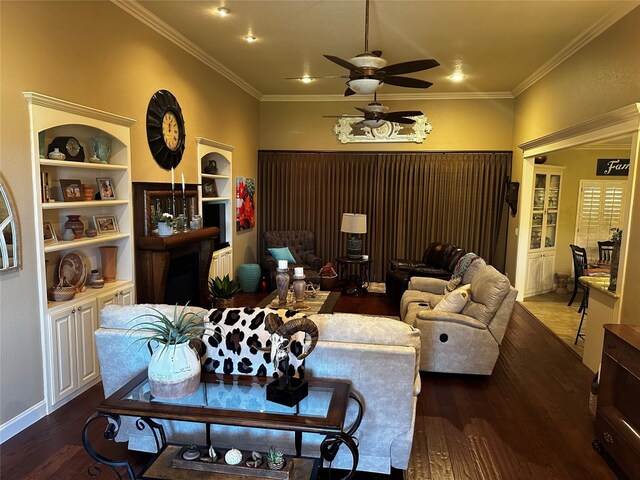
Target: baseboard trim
<point>22,421</point>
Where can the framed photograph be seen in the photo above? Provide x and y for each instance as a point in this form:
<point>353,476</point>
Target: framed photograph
<point>49,232</point>
<point>105,188</point>
<point>105,224</point>
<point>71,190</point>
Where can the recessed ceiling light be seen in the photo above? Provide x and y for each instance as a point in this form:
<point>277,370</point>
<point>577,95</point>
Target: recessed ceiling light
<point>223,11</point>
<point>306,79</point>
<point>250,38</point>
<point>457,75</point>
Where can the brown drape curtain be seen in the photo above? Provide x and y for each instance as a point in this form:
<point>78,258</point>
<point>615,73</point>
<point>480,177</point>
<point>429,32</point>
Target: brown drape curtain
<point>410,199</point>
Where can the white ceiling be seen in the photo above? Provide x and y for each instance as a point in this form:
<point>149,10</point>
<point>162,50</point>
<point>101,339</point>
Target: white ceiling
<point>504,46</point>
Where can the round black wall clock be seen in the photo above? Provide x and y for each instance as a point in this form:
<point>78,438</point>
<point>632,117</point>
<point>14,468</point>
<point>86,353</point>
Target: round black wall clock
<point>165,129</point>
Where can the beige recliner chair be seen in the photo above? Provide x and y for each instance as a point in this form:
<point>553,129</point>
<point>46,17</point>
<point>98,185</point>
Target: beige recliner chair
<point>466,342</point>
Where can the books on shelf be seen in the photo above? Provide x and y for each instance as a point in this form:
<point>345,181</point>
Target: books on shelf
<point>46,193</point>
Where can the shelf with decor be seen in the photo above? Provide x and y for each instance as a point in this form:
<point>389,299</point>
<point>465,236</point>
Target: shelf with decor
<point>216,194</point>
<point>542,237</point>
<point>81,176</point>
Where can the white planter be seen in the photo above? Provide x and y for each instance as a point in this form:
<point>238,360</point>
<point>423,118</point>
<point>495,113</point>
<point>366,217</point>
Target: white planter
<point>164,229</point>
<point>174,371</point>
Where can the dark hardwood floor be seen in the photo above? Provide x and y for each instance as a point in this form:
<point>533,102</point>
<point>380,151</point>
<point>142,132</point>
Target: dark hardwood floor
<point>529,420</point>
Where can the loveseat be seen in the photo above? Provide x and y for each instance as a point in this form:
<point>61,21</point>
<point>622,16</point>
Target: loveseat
<point>379,356</point>
<point>438,261</point>
<point>465,340</point>
<point>301,245</point>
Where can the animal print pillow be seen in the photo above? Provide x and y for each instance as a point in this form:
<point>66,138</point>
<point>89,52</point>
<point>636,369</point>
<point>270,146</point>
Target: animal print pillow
<point>234,337</point>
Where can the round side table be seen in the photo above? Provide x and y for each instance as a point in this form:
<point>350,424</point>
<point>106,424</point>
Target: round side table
<point>354,275</point>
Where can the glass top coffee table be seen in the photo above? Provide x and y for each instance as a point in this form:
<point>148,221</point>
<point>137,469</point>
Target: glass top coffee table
<point>235,400</point>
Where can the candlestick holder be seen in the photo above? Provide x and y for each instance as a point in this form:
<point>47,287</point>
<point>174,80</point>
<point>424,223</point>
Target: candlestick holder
<point>282,286</point>
<point>185,212</point>
<point>299,287</point>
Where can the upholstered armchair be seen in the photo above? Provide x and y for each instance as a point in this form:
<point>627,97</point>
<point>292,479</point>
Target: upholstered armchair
<point>301,245</point>
<point>466,342</point>
<point>438,261</point>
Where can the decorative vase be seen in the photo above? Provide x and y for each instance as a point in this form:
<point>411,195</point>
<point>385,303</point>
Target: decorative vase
<point>68,235</point>
<point>211,168</point>
<point>249,277</point>
<point>108,262</point>
<point>87,192</point>
<point>75,224</point>
<point>174,371</point>
<point>275,465</point>
<point>95,279</point>
<point>282,286</point>
<point>101,147</point>
<point>57,155</point>
<point>222,302</point>
<point>615,259</point>
<point>165,229</point>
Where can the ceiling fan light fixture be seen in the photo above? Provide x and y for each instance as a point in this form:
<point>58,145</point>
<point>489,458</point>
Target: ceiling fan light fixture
<point>373,123</point>
<point>368,61</point>
<point>306,79</point>
<point>223,11</point>
<point>364,86</point>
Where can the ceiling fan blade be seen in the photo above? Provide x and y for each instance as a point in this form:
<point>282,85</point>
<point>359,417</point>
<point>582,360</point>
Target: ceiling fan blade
<point>408,67</point>
<point>342,116</point>
<point>348,92</point>
<point>316,78</point>
<point>406,82</point>
<point>405,113</point>
<point>342,63</point>
<point>407,121</point>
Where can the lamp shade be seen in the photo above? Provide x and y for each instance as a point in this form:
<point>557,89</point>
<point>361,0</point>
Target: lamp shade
<point>364,85</point>
<point>354,223</point>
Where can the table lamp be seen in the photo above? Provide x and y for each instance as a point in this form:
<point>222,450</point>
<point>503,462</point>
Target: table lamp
<point>354,224</point>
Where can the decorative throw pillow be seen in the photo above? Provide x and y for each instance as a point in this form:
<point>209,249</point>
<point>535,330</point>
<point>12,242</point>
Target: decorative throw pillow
<point>282,254</point>
<point>454,302</point>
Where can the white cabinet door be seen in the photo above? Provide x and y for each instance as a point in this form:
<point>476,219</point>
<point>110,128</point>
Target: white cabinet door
<point>125,296</point>
<point>64,378</point>
<point>535,267</point>
<point>109,297</point>
<point>226,263</point>
<point>548,270</point>
<point>86,322</point>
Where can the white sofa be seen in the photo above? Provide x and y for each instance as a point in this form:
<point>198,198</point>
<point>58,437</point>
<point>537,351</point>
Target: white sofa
<point>379,356</point>
<point>467,342</point>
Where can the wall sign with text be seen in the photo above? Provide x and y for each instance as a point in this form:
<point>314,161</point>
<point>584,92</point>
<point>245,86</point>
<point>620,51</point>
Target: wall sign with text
<point>612,167</point>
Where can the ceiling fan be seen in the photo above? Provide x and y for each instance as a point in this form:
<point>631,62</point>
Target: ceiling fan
<point>376,114</point>
<point>368,70</point>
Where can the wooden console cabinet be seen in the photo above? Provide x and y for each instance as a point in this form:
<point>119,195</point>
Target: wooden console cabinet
<point>618,411</point>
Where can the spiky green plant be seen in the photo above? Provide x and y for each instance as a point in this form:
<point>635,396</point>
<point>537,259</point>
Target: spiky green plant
<point>275,456</point>
<point>186,326</point>
<point>223,287</point>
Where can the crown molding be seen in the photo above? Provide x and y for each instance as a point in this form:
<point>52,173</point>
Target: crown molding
<point>613,124</point>
<point>576,44</point>
<point>215,144</point>
<point>606,146</point>
<point>34,98</point>
<point>388,96</point>
<point>140,13</point>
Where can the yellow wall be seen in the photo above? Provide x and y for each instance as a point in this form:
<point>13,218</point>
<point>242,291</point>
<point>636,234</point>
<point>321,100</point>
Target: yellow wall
<point>601,77</point>
<point>457,125</point>
<point>95,54</point>
<point>580,164</point>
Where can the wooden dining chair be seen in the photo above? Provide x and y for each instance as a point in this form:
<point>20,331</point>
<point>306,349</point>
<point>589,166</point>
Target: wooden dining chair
<point>579,255</point>
<point>605,251</point>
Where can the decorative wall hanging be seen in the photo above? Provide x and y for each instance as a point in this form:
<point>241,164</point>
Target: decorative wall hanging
<point>165,129</point>
<point>9,242</point>
<point>612,167</point>
<point>347,132</point>
<point>245,203</point>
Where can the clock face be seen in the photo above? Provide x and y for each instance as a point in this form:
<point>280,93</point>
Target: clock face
<point>73,147</point>
<point>165,129</point>
<point>170,131</point>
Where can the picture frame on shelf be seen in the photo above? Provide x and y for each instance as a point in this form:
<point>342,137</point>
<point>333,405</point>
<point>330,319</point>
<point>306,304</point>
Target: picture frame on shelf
<point>49,233</point>
<point>209,188</point>
<point>71,190</point>
<point>105,189</point>
<point>106,224</point>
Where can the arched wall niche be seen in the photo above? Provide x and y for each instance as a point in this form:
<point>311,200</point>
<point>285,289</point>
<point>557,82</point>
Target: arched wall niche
<point>621,122</point>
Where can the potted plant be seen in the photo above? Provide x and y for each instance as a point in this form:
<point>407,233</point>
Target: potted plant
<point>165,223</point>
<point>174,368</point>
<point>222,290</point>
<point>275,459</point>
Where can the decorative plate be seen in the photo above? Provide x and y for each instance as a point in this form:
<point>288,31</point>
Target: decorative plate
<point>73,269</point>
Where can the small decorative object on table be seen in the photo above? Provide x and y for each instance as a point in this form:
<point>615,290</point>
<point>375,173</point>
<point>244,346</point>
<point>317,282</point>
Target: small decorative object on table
<point>249,277</point>
<point>282,282</point>
<point>100,147</point>
<point>233,456</point>
<point>222,291</point>
<point>95,279</point>
<point>57,155</point>
<point>192,452</point>
<point>328,277</point>
<point>165,223</point>
<point>108,260</point>
<point>75,224</point>
<point>174,368</point>
<point>275,459</point>
<point>211,168</point>
<point>62,292</point>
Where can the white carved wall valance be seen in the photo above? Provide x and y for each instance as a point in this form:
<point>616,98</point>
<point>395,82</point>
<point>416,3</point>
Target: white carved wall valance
<point>388,133</point>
